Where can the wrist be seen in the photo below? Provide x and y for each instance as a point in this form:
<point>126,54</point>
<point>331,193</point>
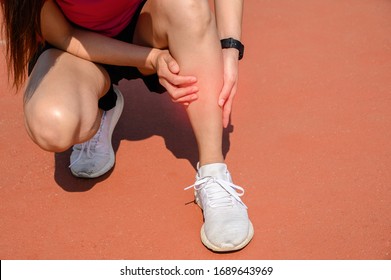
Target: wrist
<point>231,53</point>
<point>152,59</point>
<point>150,62</point>
<point>231,43</point>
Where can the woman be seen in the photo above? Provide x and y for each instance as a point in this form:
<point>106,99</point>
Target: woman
<point>77,49</point>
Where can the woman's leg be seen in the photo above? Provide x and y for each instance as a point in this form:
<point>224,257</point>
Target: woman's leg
<point>61,109</point>
<point>187,28</point>
<point>60,102</point>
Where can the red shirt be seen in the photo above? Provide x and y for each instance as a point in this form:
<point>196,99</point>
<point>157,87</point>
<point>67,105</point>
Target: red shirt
<point>107,17</point>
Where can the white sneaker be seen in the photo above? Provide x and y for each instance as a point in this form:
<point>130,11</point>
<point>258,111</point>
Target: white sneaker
<point>226,223</point>
<point>95,157</point>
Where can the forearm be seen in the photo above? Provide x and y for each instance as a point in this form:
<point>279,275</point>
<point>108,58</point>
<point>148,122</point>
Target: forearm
<point>101,49</point>
<point>229,15</point>
<point>90,45</point>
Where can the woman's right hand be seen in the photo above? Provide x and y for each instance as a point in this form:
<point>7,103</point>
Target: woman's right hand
<point>182,89</point>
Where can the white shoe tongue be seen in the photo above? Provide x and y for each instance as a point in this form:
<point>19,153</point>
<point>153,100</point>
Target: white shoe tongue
<point>215,170</point>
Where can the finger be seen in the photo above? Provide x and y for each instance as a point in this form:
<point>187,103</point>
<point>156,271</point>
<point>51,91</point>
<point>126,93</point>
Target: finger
<point>178,80</point>
<point>228,107</point>
<point>177,93</point>
<point>226,113</point>
<point>225,93</point>
<point>186,100</point>
<point>173,66</point>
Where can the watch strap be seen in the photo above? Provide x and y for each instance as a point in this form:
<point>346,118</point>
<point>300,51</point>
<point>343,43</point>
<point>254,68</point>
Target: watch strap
<point>233,43</point>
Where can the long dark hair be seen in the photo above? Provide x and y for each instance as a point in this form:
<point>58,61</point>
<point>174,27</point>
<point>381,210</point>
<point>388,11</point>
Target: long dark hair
<point>22,30</point>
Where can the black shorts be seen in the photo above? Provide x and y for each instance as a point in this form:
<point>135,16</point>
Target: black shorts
<point>116,73</point>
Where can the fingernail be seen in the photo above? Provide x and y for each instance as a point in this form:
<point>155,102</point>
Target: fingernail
<point>221,102</point>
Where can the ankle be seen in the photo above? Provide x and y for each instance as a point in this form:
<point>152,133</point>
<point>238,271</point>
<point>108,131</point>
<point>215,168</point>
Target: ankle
<point>207,161</point>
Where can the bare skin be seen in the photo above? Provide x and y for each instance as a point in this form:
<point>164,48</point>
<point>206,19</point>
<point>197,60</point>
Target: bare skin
<point>64,88</point>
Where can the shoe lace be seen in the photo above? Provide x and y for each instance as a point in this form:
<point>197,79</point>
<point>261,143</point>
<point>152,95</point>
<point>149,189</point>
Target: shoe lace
<point>89,146</point>
<point>219,192</point>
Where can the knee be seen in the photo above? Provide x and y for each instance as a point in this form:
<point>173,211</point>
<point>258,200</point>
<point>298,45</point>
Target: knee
<point>50,128</point>
<point>194,15</point>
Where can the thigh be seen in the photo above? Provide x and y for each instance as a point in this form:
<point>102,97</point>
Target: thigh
<point>186,28</point>
<point>150,32</point>
<point>63,91</point>
<point>158,18</point>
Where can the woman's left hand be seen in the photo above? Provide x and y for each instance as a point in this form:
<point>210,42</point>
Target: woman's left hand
<point>227,94</point>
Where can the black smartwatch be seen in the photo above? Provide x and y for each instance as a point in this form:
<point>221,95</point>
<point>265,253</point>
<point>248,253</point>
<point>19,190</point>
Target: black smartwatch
<point>232,43</point>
